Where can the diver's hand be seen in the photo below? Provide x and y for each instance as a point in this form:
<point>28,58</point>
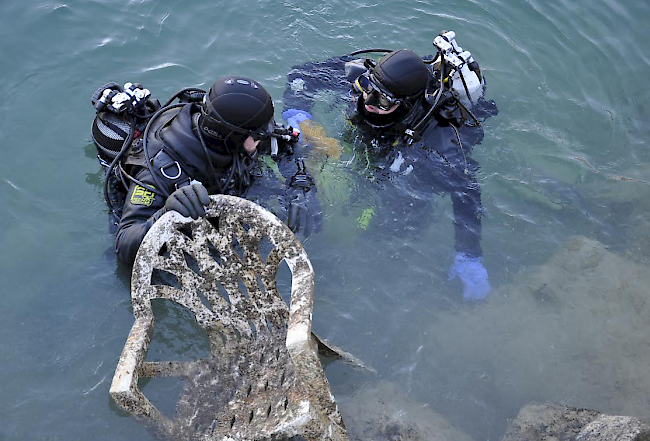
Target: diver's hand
<point>297,213</point>
<point>189,201</point>
<point>473,274</point>
<point>303,213</point>
<point>312,132</point>
<point>295,116</point>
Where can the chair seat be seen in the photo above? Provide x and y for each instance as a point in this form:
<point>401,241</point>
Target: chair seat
<point>249,392</point>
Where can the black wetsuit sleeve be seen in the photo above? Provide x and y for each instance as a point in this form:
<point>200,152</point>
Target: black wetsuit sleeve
<point>485,109</point>
<point>460,176</point>
<point>456,175</point>
<point>303,210</point>
<point>141,209</point>
<point>466,197</point>
<point>303,82</point>
<point>466,205</point>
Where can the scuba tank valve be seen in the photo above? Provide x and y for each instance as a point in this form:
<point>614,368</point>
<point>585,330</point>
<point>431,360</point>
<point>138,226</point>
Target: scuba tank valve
<point>116,99</point>
<point>466,74</point>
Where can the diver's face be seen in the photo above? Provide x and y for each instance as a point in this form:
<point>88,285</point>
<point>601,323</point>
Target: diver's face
<point>377,110</point>
<point>250,145</point>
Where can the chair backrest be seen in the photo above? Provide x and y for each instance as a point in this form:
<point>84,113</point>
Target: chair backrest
<point>263,379</point>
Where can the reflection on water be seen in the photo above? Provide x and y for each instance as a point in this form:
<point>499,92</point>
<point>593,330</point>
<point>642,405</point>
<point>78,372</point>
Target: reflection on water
<point>565,157</point>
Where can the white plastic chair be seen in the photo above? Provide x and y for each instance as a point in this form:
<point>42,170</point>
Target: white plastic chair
<point>263,379</point>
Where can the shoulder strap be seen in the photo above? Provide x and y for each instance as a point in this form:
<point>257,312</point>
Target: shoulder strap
<point>169,168</point>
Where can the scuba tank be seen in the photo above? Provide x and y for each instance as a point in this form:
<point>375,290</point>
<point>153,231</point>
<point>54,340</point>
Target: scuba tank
<point>120,111</point>
<point>122,115</point>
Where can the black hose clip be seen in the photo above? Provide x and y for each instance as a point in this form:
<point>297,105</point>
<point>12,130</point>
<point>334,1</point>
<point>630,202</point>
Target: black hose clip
<point>301,179</point>
<point>99,100</point>
<point>191,96</point>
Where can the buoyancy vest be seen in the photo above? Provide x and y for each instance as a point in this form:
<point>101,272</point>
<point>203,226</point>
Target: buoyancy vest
<point>176,153</point>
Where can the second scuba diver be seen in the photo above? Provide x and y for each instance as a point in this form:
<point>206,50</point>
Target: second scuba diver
<point>171,157</point>
<point>418,119</point>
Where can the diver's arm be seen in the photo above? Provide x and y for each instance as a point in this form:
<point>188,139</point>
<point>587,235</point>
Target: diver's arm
<point>485,109</point>
<point>466,192</point>
<point>466,204</point>
<point>303,209</point>
<point>140,213</point>
<point>457,175</point>
<point>130,234</point>
<point>468,262</point>
<point>141,209</point>
<point>463,187</point>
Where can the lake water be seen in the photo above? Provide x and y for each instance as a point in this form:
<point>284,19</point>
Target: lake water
<point>567,155</point>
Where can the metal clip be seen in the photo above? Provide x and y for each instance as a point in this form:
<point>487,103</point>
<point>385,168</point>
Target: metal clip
<point>178,166</point>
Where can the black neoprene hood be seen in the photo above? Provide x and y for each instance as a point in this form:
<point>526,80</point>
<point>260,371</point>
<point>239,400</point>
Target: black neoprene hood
<point>402,73</point>
<point>239,101</point>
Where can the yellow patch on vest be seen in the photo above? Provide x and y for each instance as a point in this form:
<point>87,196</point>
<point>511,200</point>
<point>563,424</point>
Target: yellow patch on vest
<point>142,196</point>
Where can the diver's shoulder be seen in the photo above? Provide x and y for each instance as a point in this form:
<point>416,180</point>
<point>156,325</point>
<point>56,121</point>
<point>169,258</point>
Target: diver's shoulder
<point>485,108</point>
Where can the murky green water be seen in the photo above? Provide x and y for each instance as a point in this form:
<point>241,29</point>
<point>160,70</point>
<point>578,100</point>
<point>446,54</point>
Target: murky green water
<point>566,155</point>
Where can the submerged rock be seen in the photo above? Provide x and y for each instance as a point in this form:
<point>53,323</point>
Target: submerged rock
<point>552,422</point>
<point>382,412</point>
<point>575,331</point>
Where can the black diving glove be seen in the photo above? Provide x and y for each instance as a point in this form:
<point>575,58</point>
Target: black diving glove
<point>189,201</point>
<point>304,213</point>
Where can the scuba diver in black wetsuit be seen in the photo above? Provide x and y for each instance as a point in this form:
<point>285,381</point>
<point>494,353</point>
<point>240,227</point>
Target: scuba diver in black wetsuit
<point>171,157</point>
<point>422,118</point>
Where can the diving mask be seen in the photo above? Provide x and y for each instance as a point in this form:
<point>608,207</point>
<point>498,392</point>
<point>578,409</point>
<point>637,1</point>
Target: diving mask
<point>375,95</point>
